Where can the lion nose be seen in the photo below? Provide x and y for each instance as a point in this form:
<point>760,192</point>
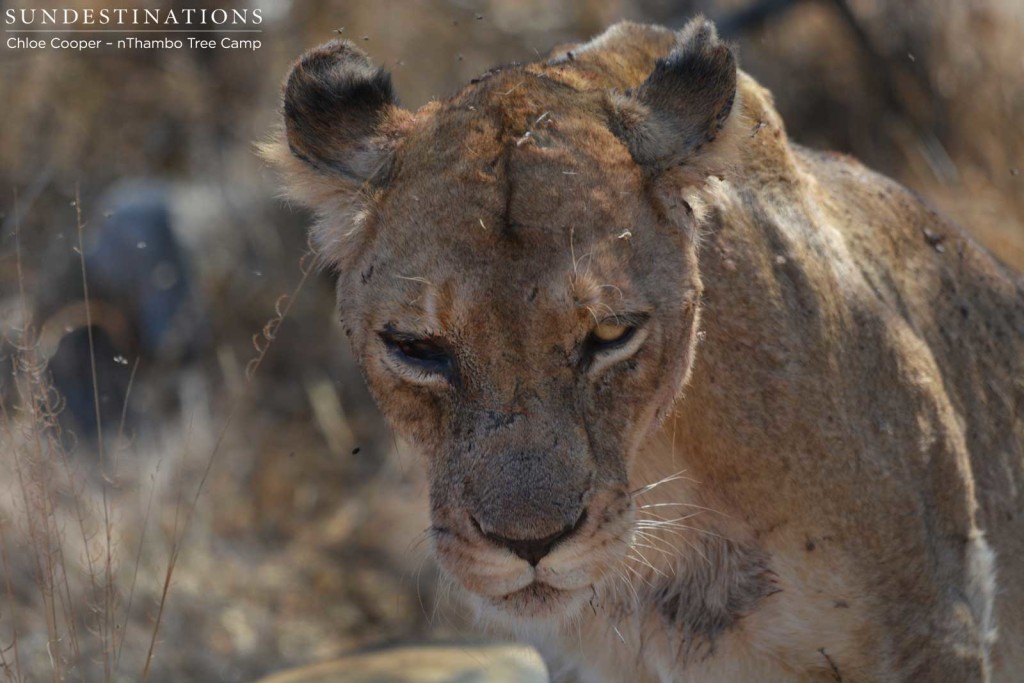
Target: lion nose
<point>533,550</point>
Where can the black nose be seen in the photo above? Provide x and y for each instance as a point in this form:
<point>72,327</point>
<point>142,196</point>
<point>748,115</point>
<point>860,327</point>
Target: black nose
<point>533,550</point>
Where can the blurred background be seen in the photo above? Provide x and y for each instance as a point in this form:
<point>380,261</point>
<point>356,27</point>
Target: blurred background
<point>241,451</point>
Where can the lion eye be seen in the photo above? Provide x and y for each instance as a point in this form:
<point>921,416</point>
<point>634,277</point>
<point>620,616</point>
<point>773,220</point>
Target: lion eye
<point>613,334</point>
<point>608,333</point>
<point>607,336</point>
<point>424,354</point>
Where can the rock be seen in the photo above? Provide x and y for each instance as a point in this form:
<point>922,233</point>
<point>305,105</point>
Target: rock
<point>426,663</point>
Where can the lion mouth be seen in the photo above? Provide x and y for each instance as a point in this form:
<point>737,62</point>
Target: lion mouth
<point>554,588</point>
<point>538,590</point>
<point>540,601</point>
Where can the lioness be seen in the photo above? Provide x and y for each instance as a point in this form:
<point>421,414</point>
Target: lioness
<point>697,404</point>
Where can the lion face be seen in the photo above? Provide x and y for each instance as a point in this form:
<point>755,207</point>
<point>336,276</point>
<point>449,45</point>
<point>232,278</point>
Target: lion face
<point>525,331</point>
<point>521,293</point>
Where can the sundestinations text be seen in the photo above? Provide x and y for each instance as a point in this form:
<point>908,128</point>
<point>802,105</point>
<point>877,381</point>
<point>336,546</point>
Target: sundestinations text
<point>132,17</point>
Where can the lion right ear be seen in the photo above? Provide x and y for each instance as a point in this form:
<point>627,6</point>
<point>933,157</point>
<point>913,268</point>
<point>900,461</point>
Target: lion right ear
<point>680,116</point>
<point>341,123</point>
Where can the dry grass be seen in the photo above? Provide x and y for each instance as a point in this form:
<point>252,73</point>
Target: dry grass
<point>96,538</point>
<point>64,508</point>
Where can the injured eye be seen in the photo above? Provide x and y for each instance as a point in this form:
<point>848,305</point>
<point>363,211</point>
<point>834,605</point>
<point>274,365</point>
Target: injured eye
<point>423,354</point>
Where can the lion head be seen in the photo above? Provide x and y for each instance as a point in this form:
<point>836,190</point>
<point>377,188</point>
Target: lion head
<point>518,278</point>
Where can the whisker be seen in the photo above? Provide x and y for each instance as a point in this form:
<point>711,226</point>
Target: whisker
<point>610,310</point>
<point>444,592</point>
<point>415,279</point>
<point>419,539</point>
<point>647,562</point>
<point>419,587</point>
<point>649,535</point>
<point>579,630</point>
<point>674,526</point>
<point>658,518</point>
<point>651,547</point>
<point>672,477</point>
<point>636,572</point>
<point>680,530</point>
<point>629,585</point>
<point>689,505</point>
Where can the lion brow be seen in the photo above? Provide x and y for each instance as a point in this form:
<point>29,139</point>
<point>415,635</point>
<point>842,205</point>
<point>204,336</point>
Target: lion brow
<point>588,293</point>
<point>427,302</point>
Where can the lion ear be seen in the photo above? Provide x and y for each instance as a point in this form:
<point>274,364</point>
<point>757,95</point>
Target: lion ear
<point>680,115</point>
<point>335,102</point>
<point>340,115</point>
<point>341,125</point>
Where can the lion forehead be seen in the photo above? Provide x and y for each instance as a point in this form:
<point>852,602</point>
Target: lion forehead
<point>517,193</point>
<point>473,180</point>
<point>517,117</point>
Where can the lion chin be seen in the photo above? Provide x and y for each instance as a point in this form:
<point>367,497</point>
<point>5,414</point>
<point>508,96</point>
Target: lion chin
<point>537,602</point>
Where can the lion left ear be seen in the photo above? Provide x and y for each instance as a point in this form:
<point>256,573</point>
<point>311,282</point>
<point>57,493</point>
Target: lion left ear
<point>678,115</point>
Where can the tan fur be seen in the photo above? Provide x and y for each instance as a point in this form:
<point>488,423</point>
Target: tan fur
<point>828,383</point>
